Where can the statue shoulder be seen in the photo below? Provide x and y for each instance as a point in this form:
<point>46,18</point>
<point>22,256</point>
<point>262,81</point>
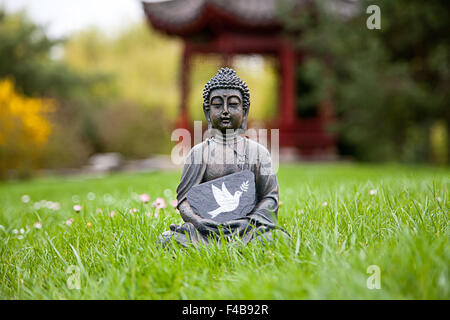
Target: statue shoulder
<point>257,152</point>
<point>195,154</point>
<point>258,147</point>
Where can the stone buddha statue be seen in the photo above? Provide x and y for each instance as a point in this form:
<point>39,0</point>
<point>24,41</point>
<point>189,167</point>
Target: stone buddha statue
<point>226,103</point>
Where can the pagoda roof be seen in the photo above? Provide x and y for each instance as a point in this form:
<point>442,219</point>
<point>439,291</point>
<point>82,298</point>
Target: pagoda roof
<point>191,17</point>
<point>188,17</point>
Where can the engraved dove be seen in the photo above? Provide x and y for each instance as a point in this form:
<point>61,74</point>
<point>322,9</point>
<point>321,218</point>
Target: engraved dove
<point>225,200</point>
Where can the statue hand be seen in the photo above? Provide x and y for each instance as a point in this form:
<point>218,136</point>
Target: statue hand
<point>209,222</point>
<point>205,226</point>
<point>236,226</point>
<point>201,224</point>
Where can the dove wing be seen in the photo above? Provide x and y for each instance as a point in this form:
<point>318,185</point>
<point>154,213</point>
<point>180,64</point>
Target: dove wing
<point>220,196</point>
<point>226,192</point>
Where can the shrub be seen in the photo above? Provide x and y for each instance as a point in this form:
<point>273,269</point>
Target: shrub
<point>133,131</point>
<point>24,129</point>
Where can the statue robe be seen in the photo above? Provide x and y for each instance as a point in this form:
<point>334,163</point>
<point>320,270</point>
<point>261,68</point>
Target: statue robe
<point>204,163</point>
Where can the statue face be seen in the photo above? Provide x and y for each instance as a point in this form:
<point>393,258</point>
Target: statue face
<point>226,111</point>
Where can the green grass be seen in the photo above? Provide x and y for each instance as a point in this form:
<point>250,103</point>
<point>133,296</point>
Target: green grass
<point>403,229</point>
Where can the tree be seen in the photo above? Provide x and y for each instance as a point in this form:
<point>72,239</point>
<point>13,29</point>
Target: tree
<point>26,61</point>
<point>26,56</point>
<point>390,86</point>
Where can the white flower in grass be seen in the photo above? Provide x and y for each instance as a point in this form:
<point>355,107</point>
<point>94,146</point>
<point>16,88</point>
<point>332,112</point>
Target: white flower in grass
<point>26,198</point>
<point>77,208</point>
<point>144,198</point>
<point>111,214</point>
<point>168,193</point>
<point>54,206</point>
<point>109,199</point>
<point>38,225</point>
<point>325,203</point>
<point>373,192</point>
<point>362,254</point>
<point>15,231</point>
<point>439,199</point>
<point>69,222</point>
<point>41,204</point>
<point>134,196</point>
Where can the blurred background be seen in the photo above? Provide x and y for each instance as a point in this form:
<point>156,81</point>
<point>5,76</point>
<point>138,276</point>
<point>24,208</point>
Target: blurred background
<point>102,84</point>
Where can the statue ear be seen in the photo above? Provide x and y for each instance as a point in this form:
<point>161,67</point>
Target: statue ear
<point>244,120</point>
<point>208,119</point>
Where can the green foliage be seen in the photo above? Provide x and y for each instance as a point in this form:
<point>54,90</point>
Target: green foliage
<point>146,68</point>
<point>25,55</point>
<point>343,219</point>
<point>390,86</point>
<point>90,84</point>
<point>133,131</point>
<point>144,64</point>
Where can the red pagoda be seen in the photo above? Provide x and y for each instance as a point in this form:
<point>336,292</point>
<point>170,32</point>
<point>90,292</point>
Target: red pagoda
<point>229,27</point>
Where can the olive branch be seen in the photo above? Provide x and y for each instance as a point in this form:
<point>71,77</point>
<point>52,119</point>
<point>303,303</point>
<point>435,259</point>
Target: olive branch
<point>244,186</point>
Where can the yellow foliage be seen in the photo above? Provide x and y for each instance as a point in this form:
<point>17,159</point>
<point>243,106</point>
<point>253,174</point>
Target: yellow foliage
<point>24,128</point>
<point>22,117</point>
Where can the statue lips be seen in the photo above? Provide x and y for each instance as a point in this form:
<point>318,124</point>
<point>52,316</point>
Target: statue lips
<point>225,122</point>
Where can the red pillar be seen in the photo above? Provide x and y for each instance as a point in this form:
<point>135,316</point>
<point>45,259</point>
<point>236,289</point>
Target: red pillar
<point>183,118</point>
<point>288,94</point>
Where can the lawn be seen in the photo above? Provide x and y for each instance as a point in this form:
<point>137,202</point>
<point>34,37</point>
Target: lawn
<point>343,219</point>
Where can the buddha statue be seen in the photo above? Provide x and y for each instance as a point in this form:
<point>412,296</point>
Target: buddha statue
<point>226,103</point>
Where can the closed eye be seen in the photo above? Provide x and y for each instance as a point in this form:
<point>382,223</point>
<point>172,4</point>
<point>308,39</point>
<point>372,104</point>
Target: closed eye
<point>216,101</point>
<point>234,101</point>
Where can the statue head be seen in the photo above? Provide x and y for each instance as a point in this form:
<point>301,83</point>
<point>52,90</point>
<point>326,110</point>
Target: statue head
<point>226,101</point>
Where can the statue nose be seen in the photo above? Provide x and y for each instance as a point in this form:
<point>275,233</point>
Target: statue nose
<point>225,109</point>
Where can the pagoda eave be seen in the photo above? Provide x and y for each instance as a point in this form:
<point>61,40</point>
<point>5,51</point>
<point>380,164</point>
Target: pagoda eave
<point>207,19</point>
